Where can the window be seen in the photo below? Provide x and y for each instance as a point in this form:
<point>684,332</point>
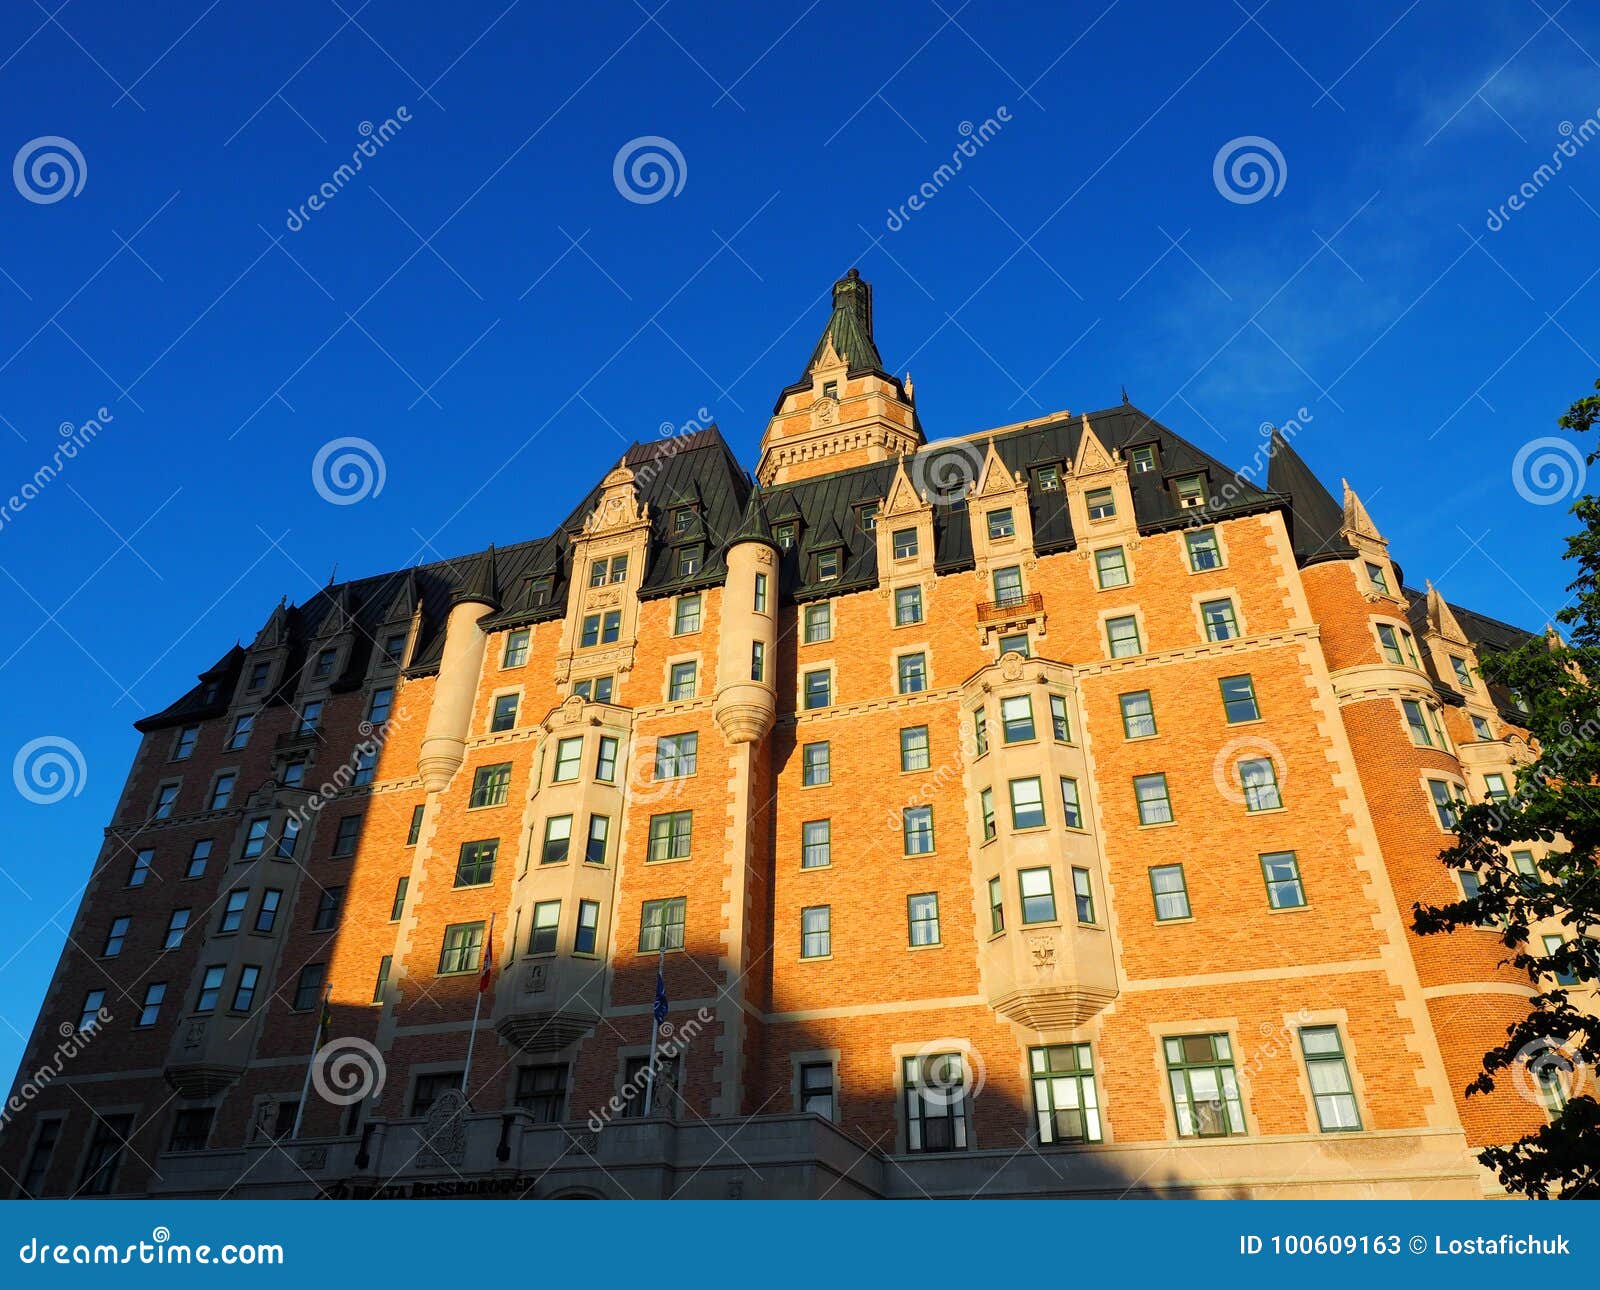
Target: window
<point>670,835</point>
<point>814,763</point>
<point>686,615</point>
<point>398,905</point>
<point>1463,675</point>
<point>1111,567</point>
<point>601,629</point>
<point>816,1089</point>
<point>1259,779</point>
<point>1481,729</point>
<point>907,606</point>
<point>1008,585</point>
<point>1060,726</point>
<point>222,791</point>
<point>1398,647</point>
<point>758,660</point>
<point>916,828</point>
<point>542,1091</point>
<point>310,718</point>
<point>267,910</point>
<point>1190,491</point>
<point>1122,636</point>
<point>1142,458</point>
<point>198,855</point>
<point>905,543</point>
<point>379,707</point>
<point>1217,615</point>
<point>594,849</point>
<point>819,623</point>
<point>1001,524</point>
<point>381,985</point>
<point>1070,810</point>
<point>1377,578</point>
<point>677,755</point>
<point>1205,1090</point>
<point>1331,1089</point>
<point>1494,788</point>
<point>914,752</point>
<point>259,673</point>
<point>107,1141</point>
<point>504,716</point>
<point>661,923</point>
<point>1027,803</point>
<point>1102,503</point>
<point>922,912</point>
<point>1047,479</point>
<point>980,732</point>
<point>239,736</point>
<point>1522,861</point>
<point>681,682</point>
<point>936,1102</point>
<point>89,1014</point>
<point>294,773</point>
<point>689,560</point>
<point>605,762</point>
<point>233,910</point>
<point>827,565</point>
<point>1138,717</point>
<point>142,861</point>
<point>557,840</point>
<point>428,1087</point>
<point>244,993</point>
<point>394,645</point>
<point>816,932</point>
<point>1553,945</point>
<point>1016,719</point>
<point>344,840</point>
<point>182,750</point>
<point>816,844</point>
<point>1038,896</point>
<point>1239,699</point>
<point>569,758</point>
<point>462,949</point>
<point>1447,802</point>
<point>1415,723</point>
<point>516,647</point>
<point>546,926</point>
<point>912,673</point>
<point>210,988</point>
<point>308,991</point>
<point>1170,891</point>
<point>366,766</point>
<point>986,802</point>
<point>997,907</point>
<point>586,935</point>
<point>115,935</point>
<point>255,839</point>
<point>150,1009</point>
<point>39,1158</point>
<point>287,839</point>
<point>1204,553</point>
<point>476,861</point>
<point>1150,791</point>
<point>166,798</point>
<point>177,924</point>
<point>682,519</point>
<point>818,689</point>
<point>1015,643</point>
<point>323,667</point>
<point>1066,1103</point>
<point>329,903</point>
<point>1281,869</point>
<point>783,534</point>
<point>1083,895</point>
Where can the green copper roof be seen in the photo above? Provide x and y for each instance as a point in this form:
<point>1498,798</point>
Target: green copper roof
<point>850,327</point>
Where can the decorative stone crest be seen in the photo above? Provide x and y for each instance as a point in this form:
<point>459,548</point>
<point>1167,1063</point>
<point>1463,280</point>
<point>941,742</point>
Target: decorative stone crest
<point>444,1131</point>
<point>1042,950</point>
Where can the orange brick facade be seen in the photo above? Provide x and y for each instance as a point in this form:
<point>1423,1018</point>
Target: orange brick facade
<point>1263,966</point>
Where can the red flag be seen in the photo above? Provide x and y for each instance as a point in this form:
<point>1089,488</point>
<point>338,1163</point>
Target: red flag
<point>488,959</point>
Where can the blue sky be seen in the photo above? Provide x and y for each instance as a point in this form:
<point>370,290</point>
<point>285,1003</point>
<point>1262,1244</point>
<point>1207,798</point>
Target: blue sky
<point>483,304</point>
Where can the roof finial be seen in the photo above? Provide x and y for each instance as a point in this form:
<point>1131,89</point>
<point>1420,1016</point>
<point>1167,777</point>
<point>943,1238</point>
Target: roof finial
<point>1125,401</point>
<point>333,573</point>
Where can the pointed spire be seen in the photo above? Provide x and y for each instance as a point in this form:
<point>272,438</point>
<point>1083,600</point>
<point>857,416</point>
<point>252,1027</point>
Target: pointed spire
<point>1356,519</point>
<point>902,495</point>
<point>1315,519</point>
<point>481,586</point>
<point>1092,455</point>
<point>1552,638</point>
<point>275,631</point>
<point>849,329</point>
<point>753,524</point>
<point>1441,621</point>
<point>1126,402</point>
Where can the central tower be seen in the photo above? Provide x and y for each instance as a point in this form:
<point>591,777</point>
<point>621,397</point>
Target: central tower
<point>845,410</point>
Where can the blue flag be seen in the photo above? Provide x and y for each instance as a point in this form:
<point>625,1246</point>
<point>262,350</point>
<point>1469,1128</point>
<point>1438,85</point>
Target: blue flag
<point>659,1011</point>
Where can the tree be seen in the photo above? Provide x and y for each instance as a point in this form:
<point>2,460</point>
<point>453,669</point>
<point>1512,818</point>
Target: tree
<point>1556,800</point>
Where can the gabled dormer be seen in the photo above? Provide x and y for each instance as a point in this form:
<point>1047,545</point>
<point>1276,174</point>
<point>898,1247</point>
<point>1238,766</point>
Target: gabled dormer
<point>903,529</point>
<point>845,410</point>
<point>264,662</point>
<point>608,567</point>
<point>823,554</point>
<point>1003,556</point>
<point>1099,499</point>
<point>786,522</point>
<point>328,649</point>
<point>395,636</point>
<point>1455,660</point>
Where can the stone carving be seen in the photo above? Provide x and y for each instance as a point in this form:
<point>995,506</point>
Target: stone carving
<point>444,1131</point>
<point>535,978</point>
<point>582,1142</point>
<point>313,1158</point>
<point>196,1035</point>
<point>825,412</point>
<point>1042,949</point>
<point>1011,665</point>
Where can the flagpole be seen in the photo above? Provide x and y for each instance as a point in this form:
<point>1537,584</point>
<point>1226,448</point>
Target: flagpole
<point>655,1031</point>
<point>477,1008</point>
<point>311,1062</point>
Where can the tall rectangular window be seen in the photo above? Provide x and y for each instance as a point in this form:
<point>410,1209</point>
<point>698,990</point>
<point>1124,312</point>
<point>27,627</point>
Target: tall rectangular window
<point>1111,567</point>
<point>907,606</point>
<point>914,754</point>
<point>415,831</point>
<point>594,848</point>
<point>1329,1074</point>
<point>1239,699</point>
<point>183,749</point>
<point>542,1091</point>
<point>150,1011</point>
<point>1205,1089</point>
<point>1001,524</point>
<point>1281,869</point>
<point>244,992</point>
<point>670,835</point>
<point>986,804</point>
<point>586,935</point>
<point>1122,636</point>
<point>398,905</point>
<point>569,760</point>
<point>922,912</point>
<point>108,1140</point>
<point>198,855</point>
<point>1415,723</point>
<point>177,925</point>
<point>677,755</point>
<point>1065,1100</point>
<point>980,732</point>
<point>1102,503</point>
<point>1008,585</point>
<point>233,910</point>
<point>1446,802</point>
<point>758,660</point>
<point>115,936</point>
<point>1218,616</point>
<point>605,759</point>
<point>516,648</point>
<point>222,792</point>
<point>1258,777</point>
<point>916,827</point>
<point>662,922</point>
<point>557,840</point>
<point>1038,895</point>
<point>818,623</point>
<point>1170,892</point>
<point>814,763</point>
<point>1016,718</point>
<point>1027,803</point>
<point>1377,577</point>
<point>546,927</point>
<point>1060,726</point>
<point>140,871</point>
<point>504,715</point>
<point>1203,550</point>
<point>1071,812</point>
<point>1150,791</point>
<point>1463,675</point>
<point>239,736</point>
<point>681,682</point>
<point>816,844</point>
<point>381,983</point>
<point>1083,895</point>
<point>686,615</point>
<point>816,932</point>
<point>936,1103</point>
<point>818,689</point>
<point>816,1089</point>
<point>475,862</point>
<point>904,542</point>
<point>912,673</point>
<point>997,907</point>
<point>761,593</point>
<point>1138,715</point>
<point>308,990</point>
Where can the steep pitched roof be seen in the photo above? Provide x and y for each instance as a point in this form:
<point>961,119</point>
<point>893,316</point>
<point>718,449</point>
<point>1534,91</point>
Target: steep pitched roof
<point>849,329</point>
<point>1314,518</point>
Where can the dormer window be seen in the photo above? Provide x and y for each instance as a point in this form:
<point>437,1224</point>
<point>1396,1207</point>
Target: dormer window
<point>323,667</point>
<point>1463,673</point>
<point>682,518</point>
<point>830,389</point>
<point>905,544</point>
<point>1047,479</point>
<point>1190,491</point>
<point>1142,459</point>
<point>394,646</point>
<point>827,566</point>
<point>613,570</point>
<point>689,560</point>
<point>536,591</point>
<point>783,534</point>
<point>867,516</point>
<point>259,673</point>
<point>1376,577</point>
<point>1001,524</point>
<point>1102,503</point>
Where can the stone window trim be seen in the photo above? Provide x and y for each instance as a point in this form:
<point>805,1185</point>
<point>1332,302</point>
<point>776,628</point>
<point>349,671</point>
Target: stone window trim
<point>1127,567</point>
<point>1310,1019</point>
<point>499,692</point>
<point>816,1057</point>
<point>235,800</point>
<point>1217,535</point>
<point>505,648</point>
<point>133,1109</point>
<point>176,784</point>
<point>1135,612</point>
<point>1232,1028</point>
<point>898,1053</point>
<point>904,651</point>
<point>700,618</point>
<point>831,667</point>
<point>1206,597</point>
<point>1449,777</point>
<point>1402,628</point>
<point>177,744</point>
<point>671,661</point>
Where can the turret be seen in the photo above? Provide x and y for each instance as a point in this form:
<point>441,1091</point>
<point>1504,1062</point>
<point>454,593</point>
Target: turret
<point>746,701</point>
<point>444,747</point>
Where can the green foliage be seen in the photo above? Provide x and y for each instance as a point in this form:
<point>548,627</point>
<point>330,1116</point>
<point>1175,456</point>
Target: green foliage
<point>1556,800</point>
